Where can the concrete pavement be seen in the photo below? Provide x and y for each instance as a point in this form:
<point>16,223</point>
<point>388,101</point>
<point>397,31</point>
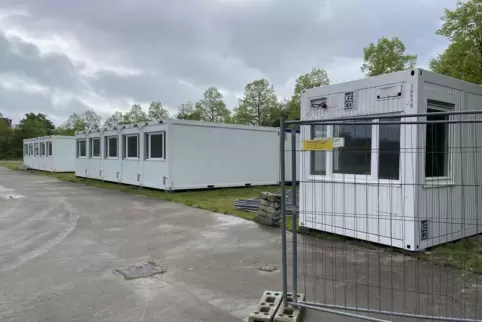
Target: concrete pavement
<point>60,242</point>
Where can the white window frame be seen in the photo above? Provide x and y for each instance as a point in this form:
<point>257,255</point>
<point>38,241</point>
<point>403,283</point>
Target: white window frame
<point>25,149</point>
<point>107,152</point>
<point>374,159</point>
<point>149,149</point>
<point>48,147</point>
<point>448,179</point>
<point>92,148</point>
<point>36,149</point>
<point>30,149</point>
<point>78,149</point>
<point>126,146</point>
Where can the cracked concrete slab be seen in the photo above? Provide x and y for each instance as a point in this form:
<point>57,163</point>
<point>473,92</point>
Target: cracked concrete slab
<point>60,244</point>
<point>142,270</point>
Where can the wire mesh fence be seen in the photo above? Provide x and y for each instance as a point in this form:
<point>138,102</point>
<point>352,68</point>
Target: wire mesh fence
<point>391,213</point>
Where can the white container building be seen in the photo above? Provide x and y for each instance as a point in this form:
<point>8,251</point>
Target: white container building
<point>182,155</point>
<point>391,184</point>
<point>54,153</point>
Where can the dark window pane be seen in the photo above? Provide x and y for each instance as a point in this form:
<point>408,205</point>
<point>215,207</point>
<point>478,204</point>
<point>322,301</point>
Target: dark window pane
<point>156,146</point>
<point>318,158</point>
<point>355,156</point>
<point>132,146</point>
<point>112,148</point>
<point>82,148</point>
<point>95,147</point>
<point>49,146</point>
<point>436,145</point>
<point>389,150</point>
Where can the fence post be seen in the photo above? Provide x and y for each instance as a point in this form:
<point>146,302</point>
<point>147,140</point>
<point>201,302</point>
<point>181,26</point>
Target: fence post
<point>294,216</point>
<point>283,209</point>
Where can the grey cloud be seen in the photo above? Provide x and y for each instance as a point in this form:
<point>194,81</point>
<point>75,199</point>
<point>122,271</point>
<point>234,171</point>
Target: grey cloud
<point>274,37</point>
<point>143,88</point>
<point>208,42</point>
<point>15,105</point>
<point>18,57</point>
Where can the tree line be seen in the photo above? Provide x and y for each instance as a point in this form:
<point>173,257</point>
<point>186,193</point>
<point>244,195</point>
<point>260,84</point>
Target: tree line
<point>260,105</point>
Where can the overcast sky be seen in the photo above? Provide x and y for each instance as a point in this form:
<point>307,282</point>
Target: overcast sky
<point>62,56</point>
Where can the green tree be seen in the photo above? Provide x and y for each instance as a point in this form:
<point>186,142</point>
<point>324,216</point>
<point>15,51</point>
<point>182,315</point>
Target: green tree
<point>135,115</point>
<point>189,111</point>
<point>157,111</point>
<point>387,56</point>
<point>463,27</point>
<point>34,125</point>
<point>315,78</point>
<point>31,126</point>
<point>87,120</point>
<point>212,106</point>
<point>8,149</point>
<point>114,120</point>
<point>257,105</point>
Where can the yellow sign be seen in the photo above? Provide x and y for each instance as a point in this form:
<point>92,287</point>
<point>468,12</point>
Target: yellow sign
<point>318,145</point>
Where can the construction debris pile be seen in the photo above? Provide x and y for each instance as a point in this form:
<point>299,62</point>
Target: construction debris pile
<point>252,205</point>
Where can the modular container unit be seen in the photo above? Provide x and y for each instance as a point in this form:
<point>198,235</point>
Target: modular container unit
<point>389,192</point>
<point>182,155</point>
<point>54,153</point>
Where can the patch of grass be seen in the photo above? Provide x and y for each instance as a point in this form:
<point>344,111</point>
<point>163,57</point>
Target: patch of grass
<point>217,200</point>
<point>12,164</point>
<point>464,254</point>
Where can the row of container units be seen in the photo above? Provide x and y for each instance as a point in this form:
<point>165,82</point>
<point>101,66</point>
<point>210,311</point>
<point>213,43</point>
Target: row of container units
<point>50,153</point>
<point>407,168</point>
<point>181,155</point>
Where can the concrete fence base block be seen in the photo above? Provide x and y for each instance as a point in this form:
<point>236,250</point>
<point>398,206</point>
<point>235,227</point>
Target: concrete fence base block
<point>290,313</point>
<point>267,307</point>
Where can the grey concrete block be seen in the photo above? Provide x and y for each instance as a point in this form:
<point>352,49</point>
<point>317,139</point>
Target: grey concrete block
<point>271,204</point>
<point>270,196</point>
<point>266,308</point>
<point>267,218</point>
<point>290,313</point>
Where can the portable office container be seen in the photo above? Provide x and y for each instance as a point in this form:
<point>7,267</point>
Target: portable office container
<point>54,153</point>
<point>407,197</point>
<point>182,155</point>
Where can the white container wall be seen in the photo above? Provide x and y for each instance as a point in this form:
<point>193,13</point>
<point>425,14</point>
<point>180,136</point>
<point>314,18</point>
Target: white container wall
<point>395,199</point>
<point>180,155</point>
<point>50,153</point>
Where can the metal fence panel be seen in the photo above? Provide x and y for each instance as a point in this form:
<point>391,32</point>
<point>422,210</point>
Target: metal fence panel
<point>390,216</point>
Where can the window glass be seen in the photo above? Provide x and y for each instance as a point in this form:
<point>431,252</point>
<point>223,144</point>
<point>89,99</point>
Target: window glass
<point>42,149</point>
<point>318,158</point>
<point>81,148</point>
<point>389,149</point>
<point>156,146</point>
<point>132,146</point>
<point>25,149</point>
<point>49,148</point>
<point>95,146</point>
<point>112,147</point>
<point>436,150</point>
<point>355,156</point>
